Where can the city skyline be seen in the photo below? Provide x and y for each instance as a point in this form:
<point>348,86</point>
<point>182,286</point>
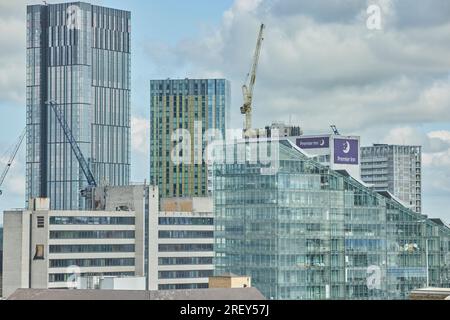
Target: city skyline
<point>394,90</point>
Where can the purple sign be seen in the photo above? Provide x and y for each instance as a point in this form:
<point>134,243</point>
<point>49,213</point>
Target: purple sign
<point>346,151</point>
<point>313,143</point>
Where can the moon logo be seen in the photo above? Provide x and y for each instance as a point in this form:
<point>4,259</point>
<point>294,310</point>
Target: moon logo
<point>322,142</point>
<point>346,147</point>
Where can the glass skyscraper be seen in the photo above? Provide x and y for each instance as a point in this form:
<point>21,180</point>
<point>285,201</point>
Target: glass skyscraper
<point>308,232</point>
<point>195,105</point>
<point>394,168</point>
<point>78,56</point>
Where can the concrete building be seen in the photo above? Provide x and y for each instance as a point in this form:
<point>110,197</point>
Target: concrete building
<point>278,129</point>
<point>394,168</point>
<point>235,294</point>
<point>430,294</point>
<point>123,235</point>
<point>50,248</point>
<point>305,231</point>
<point>193,105</point>
<point>229,280</point>
<point>78,56</point>
<point>111,283</point>
<point>182,244</point>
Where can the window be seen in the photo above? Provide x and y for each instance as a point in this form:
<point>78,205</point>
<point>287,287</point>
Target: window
<point>39,253</point>
<point>40,222</point>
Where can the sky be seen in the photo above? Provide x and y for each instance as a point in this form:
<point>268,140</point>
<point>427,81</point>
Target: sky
<point>320,64</point>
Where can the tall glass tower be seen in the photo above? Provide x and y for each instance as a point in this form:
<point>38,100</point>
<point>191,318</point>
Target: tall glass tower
<point>194,105</point>
<point>78,56</point>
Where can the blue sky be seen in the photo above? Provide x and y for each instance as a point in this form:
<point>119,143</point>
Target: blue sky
<point>320,65</point>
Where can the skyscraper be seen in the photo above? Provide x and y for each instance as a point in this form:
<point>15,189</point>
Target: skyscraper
<point>78,56</point>
<point>396,169</point>
<point>194,105</point>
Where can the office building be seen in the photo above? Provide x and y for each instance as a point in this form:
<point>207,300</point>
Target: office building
<point>121,240</point>
<point>194,105</point>
<point>394,168</point>
<point>278,129</point>
<point>50,248</point>
<point>78,57</point>
<point>283,130</point>
<point>306,231</point>
<point>182,244</point>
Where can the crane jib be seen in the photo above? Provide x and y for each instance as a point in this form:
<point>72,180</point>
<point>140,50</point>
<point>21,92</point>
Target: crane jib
<point>11,158</point>
<point>74,145</point>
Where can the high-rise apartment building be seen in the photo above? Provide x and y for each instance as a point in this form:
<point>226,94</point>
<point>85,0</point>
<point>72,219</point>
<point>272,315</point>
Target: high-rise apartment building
<point>192,105</point>
<point>78,57</point>
<point>305,231</point>
<point>394,168</point>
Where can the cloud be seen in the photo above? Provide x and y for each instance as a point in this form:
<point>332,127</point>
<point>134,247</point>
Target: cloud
<point>317,60</point>
<point>12,56</point>
<point>320,65</point>
<point>432,142</point>
<point>16,185</point>
<point>435,161</point>
<point>140,135</point>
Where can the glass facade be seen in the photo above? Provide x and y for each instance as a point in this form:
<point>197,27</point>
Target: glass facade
<point>308,232</point>
<point>179,104</point>
<point>78,55</point>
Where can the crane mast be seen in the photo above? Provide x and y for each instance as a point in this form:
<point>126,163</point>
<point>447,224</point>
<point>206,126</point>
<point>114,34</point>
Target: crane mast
<point>74,145</point>
<point>247,88</point>
<point>11,158</point>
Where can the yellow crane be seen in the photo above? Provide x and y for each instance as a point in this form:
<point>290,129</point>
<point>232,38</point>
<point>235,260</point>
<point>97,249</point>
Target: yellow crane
<point>247,88</point>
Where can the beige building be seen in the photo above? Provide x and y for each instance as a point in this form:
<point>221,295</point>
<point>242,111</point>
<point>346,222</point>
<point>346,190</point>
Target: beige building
<point>52,249</point>
<point>122,236</point>
<point>230,280</point>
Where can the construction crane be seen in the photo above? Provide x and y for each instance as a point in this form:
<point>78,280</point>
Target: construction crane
<point>74,145</point>
<point>11,158</point>
<point>335,130</point>
<point>247,88</point>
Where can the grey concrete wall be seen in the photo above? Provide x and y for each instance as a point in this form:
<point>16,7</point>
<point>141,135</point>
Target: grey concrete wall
<point>16,254</point>
<point>39,236</point>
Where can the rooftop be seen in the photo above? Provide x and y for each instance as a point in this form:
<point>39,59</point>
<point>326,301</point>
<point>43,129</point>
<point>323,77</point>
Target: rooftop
<point>193,294</point>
